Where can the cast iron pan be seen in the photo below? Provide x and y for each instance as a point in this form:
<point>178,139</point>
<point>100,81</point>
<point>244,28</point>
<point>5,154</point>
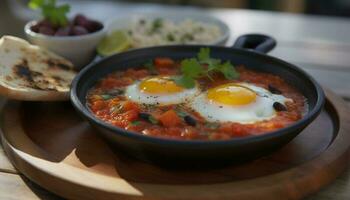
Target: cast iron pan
<point>248,50</point>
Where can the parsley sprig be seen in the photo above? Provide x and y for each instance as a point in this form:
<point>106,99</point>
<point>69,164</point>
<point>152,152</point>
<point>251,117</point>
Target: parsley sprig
<point>204,66</point>
<point>57,15</point>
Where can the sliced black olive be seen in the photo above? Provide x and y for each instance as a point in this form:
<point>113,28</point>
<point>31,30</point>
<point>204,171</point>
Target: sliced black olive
<point>279,107</point>
<point>190,120</point>
<point>274,90</point>
<point>144,116</point>
<point>148,117</point>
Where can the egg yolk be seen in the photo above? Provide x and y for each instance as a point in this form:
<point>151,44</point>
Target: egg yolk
<point>231,94</point>
<point>159,85</point>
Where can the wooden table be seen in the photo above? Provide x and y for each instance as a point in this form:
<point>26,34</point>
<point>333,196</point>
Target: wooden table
<point>320,45</point>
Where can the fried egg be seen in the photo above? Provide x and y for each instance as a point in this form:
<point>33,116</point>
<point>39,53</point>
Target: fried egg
<point>159,90</point>
<point>237,102</point>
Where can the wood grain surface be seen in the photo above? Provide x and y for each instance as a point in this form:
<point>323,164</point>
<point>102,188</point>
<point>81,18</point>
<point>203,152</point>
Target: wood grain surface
<point>59,156</point>
<point>5,165</point>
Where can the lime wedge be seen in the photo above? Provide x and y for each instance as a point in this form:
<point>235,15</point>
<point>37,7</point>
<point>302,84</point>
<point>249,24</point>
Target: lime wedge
<point>115,42</point>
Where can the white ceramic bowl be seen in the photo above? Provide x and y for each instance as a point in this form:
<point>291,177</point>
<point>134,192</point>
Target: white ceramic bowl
<point>80,50</point>
<point>121,22</point>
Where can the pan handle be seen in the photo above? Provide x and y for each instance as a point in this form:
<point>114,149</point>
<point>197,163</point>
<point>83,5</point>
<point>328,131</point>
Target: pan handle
<point>256,42</point>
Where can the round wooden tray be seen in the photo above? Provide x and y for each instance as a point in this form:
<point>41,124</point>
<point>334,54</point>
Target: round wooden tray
<point>55,148</point>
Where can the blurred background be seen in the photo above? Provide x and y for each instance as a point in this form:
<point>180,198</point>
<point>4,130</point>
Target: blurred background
<point>320,7</point>
<point>14,13</point>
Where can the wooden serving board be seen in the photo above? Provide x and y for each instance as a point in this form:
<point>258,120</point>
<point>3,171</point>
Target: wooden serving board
<point>54,147</point>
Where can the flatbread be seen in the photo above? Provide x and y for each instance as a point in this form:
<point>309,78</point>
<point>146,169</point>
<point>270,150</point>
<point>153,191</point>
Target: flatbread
<point>30,73</point>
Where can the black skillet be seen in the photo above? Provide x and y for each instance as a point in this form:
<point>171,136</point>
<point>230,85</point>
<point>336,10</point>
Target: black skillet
<point>248,50</point>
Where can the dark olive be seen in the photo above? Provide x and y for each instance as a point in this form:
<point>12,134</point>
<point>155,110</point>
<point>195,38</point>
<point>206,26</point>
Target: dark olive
<point>90,25</point>
<point>35,28</point>
<point>279,107</point>
<point>144,116</point>
<point>93,26</point>
<point>274,90</point>
<point>46,23</point>
<point>148,117</point>
<point>63,31</point>
<point>190,120</point>
<point>46,30</point>
<point>79,30</point>
<point>79,20</point>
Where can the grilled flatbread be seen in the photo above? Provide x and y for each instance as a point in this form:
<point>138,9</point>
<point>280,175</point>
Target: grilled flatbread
<point>30,73</point>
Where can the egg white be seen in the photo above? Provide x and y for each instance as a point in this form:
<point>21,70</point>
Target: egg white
<point>134,93</point>
<point>260,109</point>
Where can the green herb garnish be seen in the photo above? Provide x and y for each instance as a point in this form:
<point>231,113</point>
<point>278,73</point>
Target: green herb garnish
<point>204,55</point>
<point>152,119</point>
<point>135,123</point>
<point>191,69</point>
<point>227,70</point>
<point>181,113</point>
<point>106,96</point>
<point>57,15</point>
<point>203,66</point>
<point>151,68</point>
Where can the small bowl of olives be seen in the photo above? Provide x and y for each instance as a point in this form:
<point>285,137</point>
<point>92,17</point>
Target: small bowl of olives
<point>76,40</point>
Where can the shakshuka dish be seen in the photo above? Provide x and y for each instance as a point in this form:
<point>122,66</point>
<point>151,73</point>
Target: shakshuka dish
<point>200,98</point>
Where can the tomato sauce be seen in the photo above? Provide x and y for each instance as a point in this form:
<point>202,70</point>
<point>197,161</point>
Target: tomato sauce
<point>107,102</point>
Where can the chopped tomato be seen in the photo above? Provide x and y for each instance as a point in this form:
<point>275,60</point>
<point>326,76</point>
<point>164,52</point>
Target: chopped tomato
<point>120,123</point>
<point>113,102</point>
<point>136,73</point>
<point>226,127</point>
<point>163,62</point>
<point>110,83</point>
<point>238,130</point>
<point>170,118</point>
<point>233,129</point>
<point>129,105</point>
<point>98,105</point>
<point>174,131</point>
<point>130,115</point>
